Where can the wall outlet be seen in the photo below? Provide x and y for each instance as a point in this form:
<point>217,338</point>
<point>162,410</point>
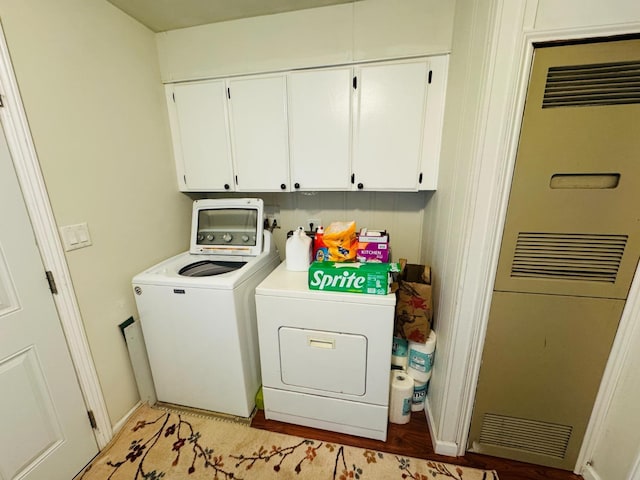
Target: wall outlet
<point>272,214</point>
<point>313,223</point>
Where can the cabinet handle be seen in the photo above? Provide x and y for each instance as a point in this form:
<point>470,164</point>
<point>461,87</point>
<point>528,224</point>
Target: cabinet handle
<point>283,186</point>
<point>360,186</point>
<point>297,185</point>
<point>353,178</point>
<point>226,186</point>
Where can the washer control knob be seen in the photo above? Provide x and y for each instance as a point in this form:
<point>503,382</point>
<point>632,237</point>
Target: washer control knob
<point>210,236</point>
<point>245,238</point>
<point>200,237</point>
<point>227,237</point>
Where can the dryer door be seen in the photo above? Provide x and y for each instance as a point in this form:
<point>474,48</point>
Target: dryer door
<point>342,356</point>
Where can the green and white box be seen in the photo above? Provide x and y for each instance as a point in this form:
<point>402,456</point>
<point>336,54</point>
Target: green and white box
<point>371,278</point>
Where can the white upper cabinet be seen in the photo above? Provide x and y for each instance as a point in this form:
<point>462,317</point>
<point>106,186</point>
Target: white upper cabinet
<point>259,132</point>
<point>374,126</point>
<point>320,129</point>
<point>200,132</point>
<point>388,125</point>
<point>434,114</point>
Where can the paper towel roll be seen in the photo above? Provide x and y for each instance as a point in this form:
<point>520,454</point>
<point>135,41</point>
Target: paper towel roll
<point>399,362</point>
<point>419,394</point>
<point>421,358</point>
<point>399,354</point>
<point>401,397</point>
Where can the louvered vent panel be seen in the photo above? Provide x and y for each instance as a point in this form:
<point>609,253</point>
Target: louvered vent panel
<point>588,85</point>
<point>567,256</point>
<point>523,434</point>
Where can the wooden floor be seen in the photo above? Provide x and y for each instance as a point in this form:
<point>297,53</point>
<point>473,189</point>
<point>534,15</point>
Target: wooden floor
<point>413,440</point>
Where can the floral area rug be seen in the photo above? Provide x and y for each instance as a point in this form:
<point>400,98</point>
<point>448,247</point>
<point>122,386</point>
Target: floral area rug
<point>162,444</point>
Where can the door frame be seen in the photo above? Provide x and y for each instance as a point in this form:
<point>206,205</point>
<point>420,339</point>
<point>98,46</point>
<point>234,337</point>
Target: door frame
<point>31,181</point>
<point>505,89</point>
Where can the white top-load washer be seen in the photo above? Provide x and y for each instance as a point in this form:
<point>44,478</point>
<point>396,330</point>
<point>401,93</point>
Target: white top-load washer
<point>197,309</point>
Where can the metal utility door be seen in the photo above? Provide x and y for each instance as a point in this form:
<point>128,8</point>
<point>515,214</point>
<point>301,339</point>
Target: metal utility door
<point>569,252</point>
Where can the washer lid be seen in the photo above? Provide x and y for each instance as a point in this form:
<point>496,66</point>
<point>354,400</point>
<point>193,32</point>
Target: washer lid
<point>208,268</point>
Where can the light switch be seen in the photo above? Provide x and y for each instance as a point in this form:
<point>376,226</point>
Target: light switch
<point>75,236</point>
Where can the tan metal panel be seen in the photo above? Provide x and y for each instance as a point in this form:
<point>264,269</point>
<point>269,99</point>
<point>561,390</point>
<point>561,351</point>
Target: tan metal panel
<point>543,361</point>
<point>593,143</point>
<point>569,252</point>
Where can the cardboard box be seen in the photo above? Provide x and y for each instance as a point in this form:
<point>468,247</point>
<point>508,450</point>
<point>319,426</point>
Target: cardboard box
<point>414,304</point>
<point>370,278</point>
<point>376,236</point>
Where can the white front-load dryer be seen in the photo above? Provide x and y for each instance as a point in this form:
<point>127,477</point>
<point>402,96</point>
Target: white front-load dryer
<point>197,310</point>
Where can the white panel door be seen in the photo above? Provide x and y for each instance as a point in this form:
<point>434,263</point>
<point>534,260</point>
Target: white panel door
<point>45,430</point>
<point>200,130</point>
<point>260,136</point>
<point>320,129</point>
<point>389,125</point>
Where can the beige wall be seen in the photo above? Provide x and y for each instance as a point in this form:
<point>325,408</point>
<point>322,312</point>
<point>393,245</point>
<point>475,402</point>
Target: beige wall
<point>90,83</point>
<point>400,213</point>
<point>364,30</point>
<point>446,214</point>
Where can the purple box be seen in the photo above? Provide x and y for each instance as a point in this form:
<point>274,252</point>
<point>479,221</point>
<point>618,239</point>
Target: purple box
<point>372,252</point>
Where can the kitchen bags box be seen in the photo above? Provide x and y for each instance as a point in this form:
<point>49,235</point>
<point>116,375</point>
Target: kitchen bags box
<point>373,246</point>
<point>370,278</point>
<point>414,304</point>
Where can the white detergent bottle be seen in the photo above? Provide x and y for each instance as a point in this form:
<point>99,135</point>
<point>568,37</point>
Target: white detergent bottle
<point>298,251</point>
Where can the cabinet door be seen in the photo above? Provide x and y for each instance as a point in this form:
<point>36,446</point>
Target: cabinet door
<point>199,127</point>
<point>320,129</point>
<point>433,117</point>
<point>388,125</point>
<point>259,133</point>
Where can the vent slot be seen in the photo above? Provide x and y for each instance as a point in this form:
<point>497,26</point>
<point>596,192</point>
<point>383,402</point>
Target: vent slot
<point>532,436</point>
<point>584,180</point>
<point>568,256</point>
<point>589,85</point>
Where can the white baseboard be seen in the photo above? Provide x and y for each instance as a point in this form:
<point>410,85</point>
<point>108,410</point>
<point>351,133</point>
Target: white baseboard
<point>588,473</point>
<point>123,420</point>
<point>439,446</point>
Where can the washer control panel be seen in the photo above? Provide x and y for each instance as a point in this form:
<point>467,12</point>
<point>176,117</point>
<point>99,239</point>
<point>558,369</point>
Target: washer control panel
<point>227,226</point>
<point>208,236</point>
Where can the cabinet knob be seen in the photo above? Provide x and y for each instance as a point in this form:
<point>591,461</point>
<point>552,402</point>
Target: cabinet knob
<point>297,185</point>
<point>283,186</point>
<point>360,186</point>
<point>226,186</point>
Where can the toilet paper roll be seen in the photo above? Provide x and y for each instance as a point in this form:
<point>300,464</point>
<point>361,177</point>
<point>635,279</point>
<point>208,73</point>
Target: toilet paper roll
<point>419,395</point>
<point>399,353</point>
<point>421,358</point>
<point>401,397</point>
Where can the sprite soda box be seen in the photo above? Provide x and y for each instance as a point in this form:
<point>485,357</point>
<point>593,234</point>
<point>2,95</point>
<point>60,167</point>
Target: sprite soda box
<point>371,278</point>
